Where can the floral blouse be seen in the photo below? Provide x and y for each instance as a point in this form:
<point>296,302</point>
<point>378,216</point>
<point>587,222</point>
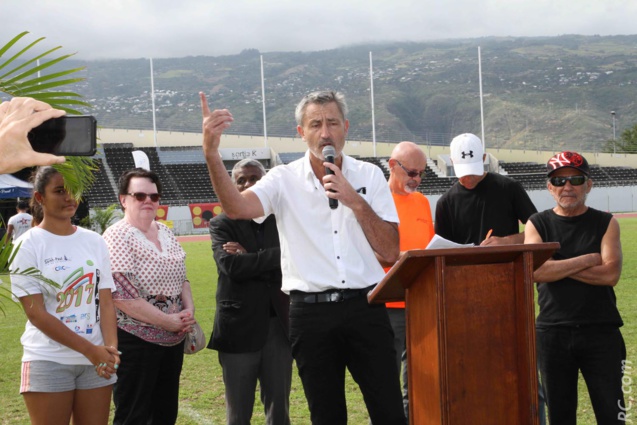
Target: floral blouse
<point>141,270</point>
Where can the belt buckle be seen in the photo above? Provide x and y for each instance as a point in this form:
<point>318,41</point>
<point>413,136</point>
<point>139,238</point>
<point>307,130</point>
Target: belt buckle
<point>336,297</point>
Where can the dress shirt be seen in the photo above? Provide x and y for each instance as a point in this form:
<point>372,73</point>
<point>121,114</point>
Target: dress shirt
<point>323,248</point>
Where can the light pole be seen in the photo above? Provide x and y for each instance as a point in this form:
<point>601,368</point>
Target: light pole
<point>612,113</point>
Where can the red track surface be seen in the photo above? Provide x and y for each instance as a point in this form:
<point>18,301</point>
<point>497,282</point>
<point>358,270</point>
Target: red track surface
<point>193,238</point>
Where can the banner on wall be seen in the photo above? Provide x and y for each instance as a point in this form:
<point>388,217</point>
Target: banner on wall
<point>169,223</point>
<point>202,213</point>
<point>162,213</point>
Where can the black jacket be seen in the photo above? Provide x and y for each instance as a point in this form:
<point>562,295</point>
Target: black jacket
<point>248,285</point>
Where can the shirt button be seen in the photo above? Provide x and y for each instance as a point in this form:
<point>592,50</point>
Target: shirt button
<point>342,281</point>
<point>338,257</point>
<point>335,231</point>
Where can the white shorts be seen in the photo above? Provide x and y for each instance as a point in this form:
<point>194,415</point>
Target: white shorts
<point>50,377</point>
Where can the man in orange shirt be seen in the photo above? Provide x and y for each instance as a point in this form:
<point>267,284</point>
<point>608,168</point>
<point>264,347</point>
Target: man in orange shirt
<point>407,168</point>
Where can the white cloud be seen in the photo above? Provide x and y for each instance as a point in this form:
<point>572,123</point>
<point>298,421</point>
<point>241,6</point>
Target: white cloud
<point>168,28</point>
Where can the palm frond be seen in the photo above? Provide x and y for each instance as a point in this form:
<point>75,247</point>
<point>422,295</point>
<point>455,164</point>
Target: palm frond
<point>40,79</point>
<point>44,96</point>
<point>78,173</point>
<point>11,43</point>
<point>23,80</point>
<point>37,68</point>
<point>26,89</point>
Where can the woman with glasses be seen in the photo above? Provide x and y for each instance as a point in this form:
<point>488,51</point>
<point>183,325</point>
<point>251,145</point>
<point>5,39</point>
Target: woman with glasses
<point>154,304</point>
<point>70,341</point>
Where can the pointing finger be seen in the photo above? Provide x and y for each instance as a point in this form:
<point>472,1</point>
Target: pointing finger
<point>205,110</point>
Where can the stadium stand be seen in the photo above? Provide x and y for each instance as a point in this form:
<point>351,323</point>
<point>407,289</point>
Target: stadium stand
<point>287,157</point>
<point>185,180</point>
<point>102,192</point>
<point>182,182</point>
<point>531,175</point>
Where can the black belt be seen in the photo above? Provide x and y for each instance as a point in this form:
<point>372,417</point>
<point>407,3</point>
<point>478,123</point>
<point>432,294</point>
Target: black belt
<point>331,296</point>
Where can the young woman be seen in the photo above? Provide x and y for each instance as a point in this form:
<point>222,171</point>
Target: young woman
<point>70,340</point>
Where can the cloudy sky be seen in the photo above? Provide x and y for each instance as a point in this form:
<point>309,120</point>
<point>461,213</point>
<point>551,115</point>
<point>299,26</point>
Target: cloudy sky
<point>97,29</point>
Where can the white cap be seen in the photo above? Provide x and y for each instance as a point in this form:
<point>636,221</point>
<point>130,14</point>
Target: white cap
<point>467,154</point>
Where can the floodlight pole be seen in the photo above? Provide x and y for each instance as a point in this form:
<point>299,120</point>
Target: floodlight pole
<point>265,125</point>
<point>152,101</point>
<point>484,142</point>
<point>612,113</point>
<point>371,90</point>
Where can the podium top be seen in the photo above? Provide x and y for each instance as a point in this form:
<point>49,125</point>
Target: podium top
<point>392,287</point>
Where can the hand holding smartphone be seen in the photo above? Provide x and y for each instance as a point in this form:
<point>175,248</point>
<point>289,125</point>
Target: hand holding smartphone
<point>74,135</point>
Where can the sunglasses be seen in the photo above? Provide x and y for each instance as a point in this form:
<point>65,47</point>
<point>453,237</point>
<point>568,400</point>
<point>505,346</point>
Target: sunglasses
<point>141,196</point>
<point>561,181</point>
<point>412,173</point>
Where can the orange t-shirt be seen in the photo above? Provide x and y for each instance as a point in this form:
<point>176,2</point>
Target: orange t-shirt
<point>416,227</point>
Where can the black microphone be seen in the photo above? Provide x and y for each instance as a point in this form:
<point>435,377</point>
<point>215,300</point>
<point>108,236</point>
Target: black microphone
<point>329,153</point>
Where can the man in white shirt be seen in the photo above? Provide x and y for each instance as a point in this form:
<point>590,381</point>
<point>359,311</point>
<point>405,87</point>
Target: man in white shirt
<point>19,223</point>
<point>329,257</point>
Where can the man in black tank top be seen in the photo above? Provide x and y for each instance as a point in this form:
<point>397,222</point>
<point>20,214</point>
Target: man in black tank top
<point>578,325</point>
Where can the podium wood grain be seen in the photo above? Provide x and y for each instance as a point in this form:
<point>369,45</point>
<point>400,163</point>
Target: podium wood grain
<point>470,332</point>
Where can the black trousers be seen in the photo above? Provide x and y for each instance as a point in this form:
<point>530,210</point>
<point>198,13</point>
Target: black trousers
<point>147,388</point>
<point>600,354</point>
<point>329,337</point>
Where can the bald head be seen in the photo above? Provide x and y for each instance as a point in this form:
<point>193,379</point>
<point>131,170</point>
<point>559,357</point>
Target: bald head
<point>413,161</point>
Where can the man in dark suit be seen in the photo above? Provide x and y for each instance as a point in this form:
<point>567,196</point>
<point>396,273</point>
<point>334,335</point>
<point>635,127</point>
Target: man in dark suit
<point>250,331</point>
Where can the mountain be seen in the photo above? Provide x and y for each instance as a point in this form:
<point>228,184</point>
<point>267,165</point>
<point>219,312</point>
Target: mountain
<point>538,93</point>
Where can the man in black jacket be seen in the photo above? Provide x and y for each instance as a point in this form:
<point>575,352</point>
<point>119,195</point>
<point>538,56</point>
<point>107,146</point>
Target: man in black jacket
<point>250,331</point>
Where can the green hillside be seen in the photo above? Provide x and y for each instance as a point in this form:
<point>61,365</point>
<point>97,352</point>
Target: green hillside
<point>538,92</point>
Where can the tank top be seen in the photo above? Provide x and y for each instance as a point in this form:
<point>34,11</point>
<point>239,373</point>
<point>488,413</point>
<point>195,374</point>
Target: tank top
<point>569,302</point>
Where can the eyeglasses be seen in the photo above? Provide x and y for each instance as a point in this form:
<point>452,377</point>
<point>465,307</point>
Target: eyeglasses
<point>141,196</point>
<point>561,180</point>
<point>412,173</point>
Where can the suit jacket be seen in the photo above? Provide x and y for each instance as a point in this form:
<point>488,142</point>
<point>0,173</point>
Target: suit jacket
<point>248,285</point>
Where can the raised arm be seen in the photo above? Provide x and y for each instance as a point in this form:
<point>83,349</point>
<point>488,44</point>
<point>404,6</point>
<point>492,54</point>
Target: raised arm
<point>237,205</point>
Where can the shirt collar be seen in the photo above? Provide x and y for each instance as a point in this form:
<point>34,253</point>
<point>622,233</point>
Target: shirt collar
<point>346,167</point>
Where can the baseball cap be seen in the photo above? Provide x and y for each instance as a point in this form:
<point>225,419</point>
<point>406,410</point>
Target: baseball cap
<point>466,154</point>
<point>567,159</point>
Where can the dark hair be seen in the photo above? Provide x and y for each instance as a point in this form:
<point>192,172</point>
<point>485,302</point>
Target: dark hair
<point>40,178</point>
<point>22,204</point>
<point>125,178</point>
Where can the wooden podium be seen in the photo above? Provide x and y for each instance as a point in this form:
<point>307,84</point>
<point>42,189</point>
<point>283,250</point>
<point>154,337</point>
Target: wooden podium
<point>470,332</point>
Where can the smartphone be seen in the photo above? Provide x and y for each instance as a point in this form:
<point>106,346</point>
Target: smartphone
<point>73,135</point>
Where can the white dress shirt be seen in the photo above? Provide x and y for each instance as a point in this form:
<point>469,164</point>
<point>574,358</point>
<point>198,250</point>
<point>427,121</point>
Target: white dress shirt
<point>321,248</point>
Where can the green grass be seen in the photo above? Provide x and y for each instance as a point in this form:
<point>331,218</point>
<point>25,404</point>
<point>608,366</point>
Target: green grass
<point>201,398</point>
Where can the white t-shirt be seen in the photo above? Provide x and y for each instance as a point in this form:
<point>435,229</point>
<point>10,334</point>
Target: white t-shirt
<point>323,248</point>
<point>21,222</point>
<point>80,264</point>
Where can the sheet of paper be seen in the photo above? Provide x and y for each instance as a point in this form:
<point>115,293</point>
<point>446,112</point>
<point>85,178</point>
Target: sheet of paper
<point>438,242</point>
